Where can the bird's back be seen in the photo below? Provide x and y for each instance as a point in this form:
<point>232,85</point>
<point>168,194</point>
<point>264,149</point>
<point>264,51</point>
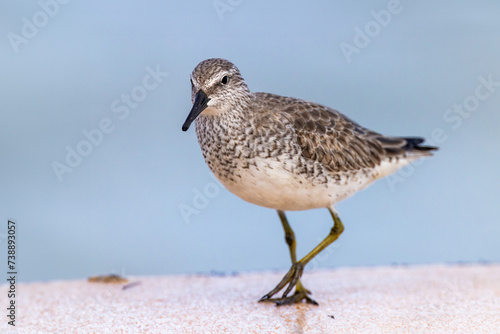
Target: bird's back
<point>326,136</point>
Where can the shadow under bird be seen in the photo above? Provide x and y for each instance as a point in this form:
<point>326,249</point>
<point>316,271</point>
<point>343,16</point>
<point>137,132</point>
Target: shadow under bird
<point>287,154</point>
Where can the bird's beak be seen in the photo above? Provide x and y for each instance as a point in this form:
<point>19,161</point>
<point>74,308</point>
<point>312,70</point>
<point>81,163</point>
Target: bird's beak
<point>200,104</point>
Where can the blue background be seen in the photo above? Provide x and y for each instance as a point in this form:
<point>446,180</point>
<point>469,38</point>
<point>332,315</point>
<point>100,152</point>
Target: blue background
<point>120,209</point>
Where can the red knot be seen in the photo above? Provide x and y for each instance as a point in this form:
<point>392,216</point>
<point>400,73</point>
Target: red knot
<point>287,154</point>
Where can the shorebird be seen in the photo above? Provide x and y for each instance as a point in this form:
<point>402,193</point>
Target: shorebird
<point>287,154</point>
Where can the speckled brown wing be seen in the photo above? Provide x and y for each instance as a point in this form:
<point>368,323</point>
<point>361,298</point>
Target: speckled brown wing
<point>340,144</point>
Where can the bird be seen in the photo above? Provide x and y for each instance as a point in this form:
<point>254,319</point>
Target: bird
<point>288,154</point>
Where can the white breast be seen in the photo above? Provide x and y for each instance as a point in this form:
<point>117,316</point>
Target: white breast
<point>269,185</point>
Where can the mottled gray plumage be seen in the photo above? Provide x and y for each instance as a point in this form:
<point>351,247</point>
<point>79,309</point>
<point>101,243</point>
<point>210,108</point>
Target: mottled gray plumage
<point>310,140</point>
<point>286,153</point>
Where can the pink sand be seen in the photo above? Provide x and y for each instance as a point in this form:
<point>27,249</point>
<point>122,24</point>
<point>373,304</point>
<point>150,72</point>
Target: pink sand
<point>415,299</point>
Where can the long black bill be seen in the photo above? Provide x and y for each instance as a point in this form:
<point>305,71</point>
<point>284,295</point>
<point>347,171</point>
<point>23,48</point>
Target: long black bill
<point>200,103</point>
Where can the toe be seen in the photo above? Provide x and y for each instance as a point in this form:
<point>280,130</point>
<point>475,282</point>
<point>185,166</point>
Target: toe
<point>297,297</point>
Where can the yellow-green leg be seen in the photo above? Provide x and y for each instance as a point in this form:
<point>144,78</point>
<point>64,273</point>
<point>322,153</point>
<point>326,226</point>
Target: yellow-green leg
<point>301,293</point>
<point>292,278</point>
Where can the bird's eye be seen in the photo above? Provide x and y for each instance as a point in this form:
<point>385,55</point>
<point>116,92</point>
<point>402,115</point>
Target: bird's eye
<point>225,80</point>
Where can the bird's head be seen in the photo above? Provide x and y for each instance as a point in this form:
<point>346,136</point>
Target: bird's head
<point>217,87</point>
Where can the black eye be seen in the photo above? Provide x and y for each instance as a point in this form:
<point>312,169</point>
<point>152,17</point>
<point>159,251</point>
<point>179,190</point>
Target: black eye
<point>225,80</point>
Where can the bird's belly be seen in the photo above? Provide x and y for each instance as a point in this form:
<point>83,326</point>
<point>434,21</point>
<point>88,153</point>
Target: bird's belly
<point>268,184</point>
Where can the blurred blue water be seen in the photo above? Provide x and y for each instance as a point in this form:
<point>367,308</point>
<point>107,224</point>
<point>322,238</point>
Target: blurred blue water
<point>66,68</point>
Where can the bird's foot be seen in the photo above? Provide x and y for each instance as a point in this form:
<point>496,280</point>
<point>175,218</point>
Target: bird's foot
<point>297,297</point>
<point>292,278</point>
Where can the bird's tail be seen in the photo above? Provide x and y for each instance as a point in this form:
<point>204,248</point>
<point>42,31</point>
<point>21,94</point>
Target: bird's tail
<point>413,144</point>
<point>410,147</point>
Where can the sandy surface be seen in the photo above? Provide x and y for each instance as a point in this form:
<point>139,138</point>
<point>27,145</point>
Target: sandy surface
<point>415,299</point>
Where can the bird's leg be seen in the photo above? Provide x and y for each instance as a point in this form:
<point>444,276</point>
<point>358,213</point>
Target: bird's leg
<point>292,278</point>
<point>292,245</point>
<point>301,293</point>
